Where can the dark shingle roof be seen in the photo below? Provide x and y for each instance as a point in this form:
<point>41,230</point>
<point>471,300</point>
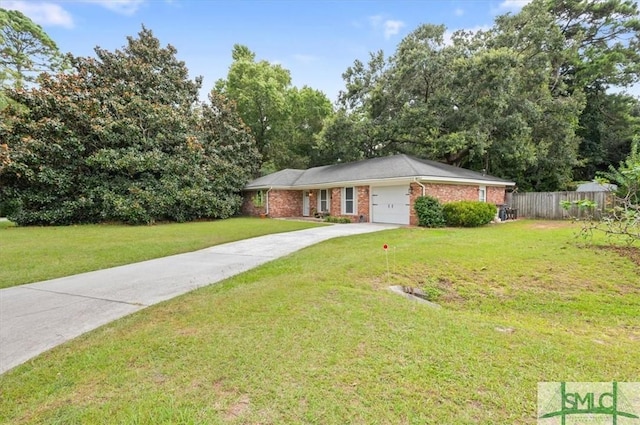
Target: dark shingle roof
<point>282,178</point>
<point>389,167</point>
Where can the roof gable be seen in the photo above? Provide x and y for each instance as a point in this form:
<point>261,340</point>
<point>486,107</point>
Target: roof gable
<point>382,168</point>
<point>282,178</point>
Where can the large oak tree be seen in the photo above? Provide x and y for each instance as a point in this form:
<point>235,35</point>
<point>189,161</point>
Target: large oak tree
<point>508,100</point>
<point>284,120</point>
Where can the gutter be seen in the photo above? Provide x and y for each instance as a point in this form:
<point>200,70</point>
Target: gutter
<point>266,210</point>
<point>424,189</point>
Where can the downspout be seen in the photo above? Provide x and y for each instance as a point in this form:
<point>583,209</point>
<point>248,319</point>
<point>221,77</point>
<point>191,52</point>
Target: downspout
<point>267,206</point>
<point>424,189</point>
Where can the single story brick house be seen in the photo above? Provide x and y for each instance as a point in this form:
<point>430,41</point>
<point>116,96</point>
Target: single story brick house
<point>378,190</point>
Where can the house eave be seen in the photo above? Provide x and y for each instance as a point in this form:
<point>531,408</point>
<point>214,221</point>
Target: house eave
<point>428,179</point>
<point>385,182</point>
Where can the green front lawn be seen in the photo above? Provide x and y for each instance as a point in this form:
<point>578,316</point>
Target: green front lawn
<point>317,338</point>
<point>31,254</point>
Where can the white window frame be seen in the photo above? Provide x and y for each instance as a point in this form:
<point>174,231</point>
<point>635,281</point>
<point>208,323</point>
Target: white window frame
<point>354,200</point>
<point>327,200</point>
<point>482,193</point>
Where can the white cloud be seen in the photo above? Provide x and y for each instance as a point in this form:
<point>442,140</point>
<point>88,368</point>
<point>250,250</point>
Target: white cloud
<point>513,5</point>
<point>392,28</point>
<point>42,13</point>
<point>389,27</point>
<point>459,11</point>
<point>49,13</point>
<point>124,7</point>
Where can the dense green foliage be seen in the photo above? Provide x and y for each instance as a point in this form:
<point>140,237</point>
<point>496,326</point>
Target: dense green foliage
<point>429,212</point>
<point>607,127</point>
<point>468,213</point>
<point>283,119</point>
<point>332,219</point>
<point>123,138</point>
<point>525,100</point>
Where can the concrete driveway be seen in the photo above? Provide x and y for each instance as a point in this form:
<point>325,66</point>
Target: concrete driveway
<point>42,315</point>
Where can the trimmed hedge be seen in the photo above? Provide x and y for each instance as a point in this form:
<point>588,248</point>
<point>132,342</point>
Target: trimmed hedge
<point>332,219</point>
<point>429,211</point>
<point>468,213</point>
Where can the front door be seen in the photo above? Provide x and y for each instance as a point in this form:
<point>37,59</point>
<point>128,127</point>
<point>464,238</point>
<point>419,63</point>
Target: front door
<point>305,203</point>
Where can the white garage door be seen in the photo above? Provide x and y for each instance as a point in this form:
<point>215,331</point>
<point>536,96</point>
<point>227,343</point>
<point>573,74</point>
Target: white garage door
<point>390,204</point>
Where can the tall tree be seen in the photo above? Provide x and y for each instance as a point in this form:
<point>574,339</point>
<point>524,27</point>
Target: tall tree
<point>25,50</point>
<point>307,110</point>
<point>284,120</point>
<point>121,137</point>
<point>259,89</point>
<point>507,100</point>
<point>605,37</point>
<point>345,137</point>
<point>590,47</point>
<point>465,103</point>
<point>607,127</point>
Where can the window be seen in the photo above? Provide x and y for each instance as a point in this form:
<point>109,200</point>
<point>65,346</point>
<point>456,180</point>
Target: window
<point>349,201</point>
<point>482,194</point>
<point>258,199</point>
<point>324,203</point>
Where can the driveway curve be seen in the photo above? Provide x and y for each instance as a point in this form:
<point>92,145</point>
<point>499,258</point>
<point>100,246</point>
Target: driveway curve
<point>39,316</point>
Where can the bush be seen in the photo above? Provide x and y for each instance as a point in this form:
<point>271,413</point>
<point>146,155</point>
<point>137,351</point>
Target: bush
<point>468,213</point>
<point>331,219</point>
<point>429,212</point>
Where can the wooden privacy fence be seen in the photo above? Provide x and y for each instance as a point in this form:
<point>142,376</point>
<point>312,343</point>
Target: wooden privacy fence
<point>547,204</point>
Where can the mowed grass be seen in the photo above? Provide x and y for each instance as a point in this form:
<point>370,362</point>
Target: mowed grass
<point>316,338</point>
<point>31,254</point>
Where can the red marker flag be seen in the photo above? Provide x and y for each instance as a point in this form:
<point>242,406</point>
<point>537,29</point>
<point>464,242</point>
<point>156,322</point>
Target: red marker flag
<point>385,247</point>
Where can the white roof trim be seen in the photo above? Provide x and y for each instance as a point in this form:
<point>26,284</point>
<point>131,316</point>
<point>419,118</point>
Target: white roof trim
<point>389,182</point>
<point>466,181</point>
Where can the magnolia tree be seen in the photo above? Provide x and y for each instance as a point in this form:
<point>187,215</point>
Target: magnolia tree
<point>122,137</point>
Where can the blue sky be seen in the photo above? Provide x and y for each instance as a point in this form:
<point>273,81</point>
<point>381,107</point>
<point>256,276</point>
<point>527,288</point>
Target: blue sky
<point>315,40</point>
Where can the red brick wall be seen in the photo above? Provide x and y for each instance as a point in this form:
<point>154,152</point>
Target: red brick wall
<point>282,203</point>
<point>363,203</point>
<point>336,202</point>
<point>285,203</point>
<point>496,195</point>
<point>452,192</point>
